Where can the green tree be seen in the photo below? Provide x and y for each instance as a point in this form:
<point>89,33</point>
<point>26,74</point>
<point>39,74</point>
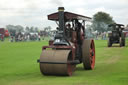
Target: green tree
<point>12,28</point>
<point>47,29</point>
<point>19,28</point>
<point>101,20</point>
<point>36,29</point>
<point>32,29</point>
<point>27,29</point>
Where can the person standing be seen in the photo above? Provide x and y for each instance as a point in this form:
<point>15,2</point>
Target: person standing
<point>2,37</point>
<point>39,37</point>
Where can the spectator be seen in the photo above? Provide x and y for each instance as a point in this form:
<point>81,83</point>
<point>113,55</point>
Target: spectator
<point>39,37</point>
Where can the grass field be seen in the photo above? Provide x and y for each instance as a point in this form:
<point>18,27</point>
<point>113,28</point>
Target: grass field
<point>18,66</point>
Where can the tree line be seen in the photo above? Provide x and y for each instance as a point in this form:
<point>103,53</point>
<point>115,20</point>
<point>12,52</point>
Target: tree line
<point>19,28</point>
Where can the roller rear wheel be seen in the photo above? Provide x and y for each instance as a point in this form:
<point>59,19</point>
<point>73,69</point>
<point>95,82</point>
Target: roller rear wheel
<point>88,54</point>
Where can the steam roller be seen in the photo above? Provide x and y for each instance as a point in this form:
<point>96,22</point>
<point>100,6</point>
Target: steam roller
<point>70,46</point>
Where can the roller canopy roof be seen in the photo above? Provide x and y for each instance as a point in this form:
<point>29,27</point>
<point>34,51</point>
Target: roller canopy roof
<point>69,16</point>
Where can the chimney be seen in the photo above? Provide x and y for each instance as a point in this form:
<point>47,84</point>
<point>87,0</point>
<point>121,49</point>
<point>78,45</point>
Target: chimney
<point>61,18</point>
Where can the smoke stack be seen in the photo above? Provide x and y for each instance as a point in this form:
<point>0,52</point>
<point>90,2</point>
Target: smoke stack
<point>61,18</point>
<point>60,8</point>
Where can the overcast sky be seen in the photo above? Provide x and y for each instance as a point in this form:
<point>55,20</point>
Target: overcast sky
<point>34,12</point>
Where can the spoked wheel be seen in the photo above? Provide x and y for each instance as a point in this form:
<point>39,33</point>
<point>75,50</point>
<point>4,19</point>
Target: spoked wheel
<point>109,43</point>
<point>121,43</point>
<point>123,39</point>
<point>56,62</point>
<point>88,54</point>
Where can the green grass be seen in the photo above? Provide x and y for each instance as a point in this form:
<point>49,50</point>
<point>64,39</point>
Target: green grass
<point>18,66</point>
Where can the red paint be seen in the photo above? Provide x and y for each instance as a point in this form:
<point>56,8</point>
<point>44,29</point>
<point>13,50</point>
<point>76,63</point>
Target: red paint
<point>51,42</point>
<point>6,33</point>
<point>92,58</point>
<point>69,69</point>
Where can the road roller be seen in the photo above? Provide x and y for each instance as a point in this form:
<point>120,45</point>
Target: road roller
<point>116,35</point>
<point>69,47</point>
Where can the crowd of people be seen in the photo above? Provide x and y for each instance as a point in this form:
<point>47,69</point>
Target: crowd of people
<point>17,37</point>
